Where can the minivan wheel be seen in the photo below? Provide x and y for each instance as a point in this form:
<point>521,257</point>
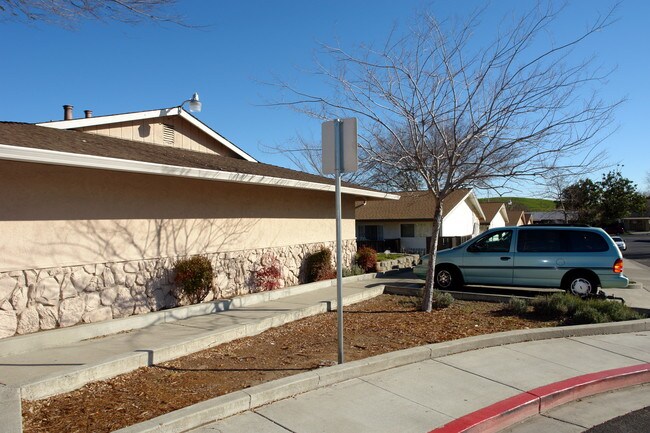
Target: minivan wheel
<point>447,278</point>
<point>581,285</point>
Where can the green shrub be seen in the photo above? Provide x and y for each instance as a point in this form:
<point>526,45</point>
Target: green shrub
<point>517,306</point>
<point>269,274</point>
<point>587,314</point>
<point>557,305</point>
<point>441,299</point>
<point>193,278</point>
<point>574,310</point>
<point>319,266</point>
<point>614,311</point>
<point>354,270</point>
<point>543,306</point>
<point>367,258</point>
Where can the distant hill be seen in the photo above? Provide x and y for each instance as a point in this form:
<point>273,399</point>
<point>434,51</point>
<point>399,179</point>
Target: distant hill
<point>523,203</point>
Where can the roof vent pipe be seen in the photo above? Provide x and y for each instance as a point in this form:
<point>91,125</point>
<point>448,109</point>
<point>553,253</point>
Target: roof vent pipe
<point>67,112</point>
<point>88,113</point>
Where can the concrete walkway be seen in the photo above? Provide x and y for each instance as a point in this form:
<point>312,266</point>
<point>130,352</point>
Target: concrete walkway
<point>48,363</point>
<point>57,361</point>
<point>422,396</point>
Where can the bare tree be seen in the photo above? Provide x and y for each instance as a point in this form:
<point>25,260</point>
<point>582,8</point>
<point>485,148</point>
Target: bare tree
<point>429,102</point>
<point>306,155</point>
<point>558,185</point>
<point>66,13</point>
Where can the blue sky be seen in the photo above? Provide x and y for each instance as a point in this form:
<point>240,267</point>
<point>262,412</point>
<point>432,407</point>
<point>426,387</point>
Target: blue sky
<point>114,68</point>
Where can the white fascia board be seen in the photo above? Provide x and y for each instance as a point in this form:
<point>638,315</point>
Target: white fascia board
<point>107,120</point>
<point>474,203</point>
<point>52,157</point>
<point>504,213</point>
<point>144,115</point>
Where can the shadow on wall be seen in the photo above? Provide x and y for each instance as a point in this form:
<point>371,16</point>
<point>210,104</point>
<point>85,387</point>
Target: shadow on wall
<point>128,240</point>
<point>111,288</point>
<point>139,255</point>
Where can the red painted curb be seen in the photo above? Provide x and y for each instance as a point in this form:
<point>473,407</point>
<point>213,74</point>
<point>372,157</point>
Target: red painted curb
<point>521,406</point>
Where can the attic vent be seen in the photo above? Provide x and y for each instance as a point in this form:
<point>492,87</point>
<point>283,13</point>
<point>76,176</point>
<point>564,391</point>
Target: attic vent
<point>168,134</point>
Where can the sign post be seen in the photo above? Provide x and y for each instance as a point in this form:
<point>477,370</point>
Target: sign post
<point>339,156</point>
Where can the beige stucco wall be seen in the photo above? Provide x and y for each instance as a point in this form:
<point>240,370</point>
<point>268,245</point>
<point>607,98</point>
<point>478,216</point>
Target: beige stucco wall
<point>61,216</point>
<point>82,246</point>
<point>186,135</point>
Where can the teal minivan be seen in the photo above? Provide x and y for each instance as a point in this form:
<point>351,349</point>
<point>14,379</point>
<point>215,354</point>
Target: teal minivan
<point>576,259</point>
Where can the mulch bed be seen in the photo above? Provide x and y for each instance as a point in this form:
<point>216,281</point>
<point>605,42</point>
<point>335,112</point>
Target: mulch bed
<point>380,325</point>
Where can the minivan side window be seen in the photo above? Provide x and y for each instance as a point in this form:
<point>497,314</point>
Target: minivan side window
<point>586,241</point>
<point>497,242</point>
<point>540,241</point>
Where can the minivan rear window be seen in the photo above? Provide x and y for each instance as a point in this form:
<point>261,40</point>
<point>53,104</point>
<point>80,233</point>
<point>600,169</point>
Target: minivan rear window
<point>585,241</point>
<point>556,241</point>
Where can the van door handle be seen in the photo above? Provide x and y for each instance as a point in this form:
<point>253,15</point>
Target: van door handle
<point>505,259</point>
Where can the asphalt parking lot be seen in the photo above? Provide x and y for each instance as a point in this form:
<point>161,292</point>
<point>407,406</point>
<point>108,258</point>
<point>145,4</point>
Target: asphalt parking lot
<point>638,248</point>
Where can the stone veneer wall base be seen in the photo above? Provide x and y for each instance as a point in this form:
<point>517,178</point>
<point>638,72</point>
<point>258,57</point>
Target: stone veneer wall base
<point>40,299</point>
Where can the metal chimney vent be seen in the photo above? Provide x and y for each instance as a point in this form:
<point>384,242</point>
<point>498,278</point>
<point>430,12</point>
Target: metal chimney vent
<point>67,112</point>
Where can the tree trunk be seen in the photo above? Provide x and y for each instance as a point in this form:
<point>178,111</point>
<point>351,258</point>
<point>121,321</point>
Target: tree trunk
<point>427,299</point>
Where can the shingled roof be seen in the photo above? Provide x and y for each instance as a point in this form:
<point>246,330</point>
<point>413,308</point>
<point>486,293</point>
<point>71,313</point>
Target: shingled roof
<point>414,205</point>
<point>514,216</point>
<point>15,136</point>
<point>490,209</point>
<point>139,116</point>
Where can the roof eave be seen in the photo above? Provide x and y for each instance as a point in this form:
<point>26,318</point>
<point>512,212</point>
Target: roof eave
<point>52,157</point>
<point>504,213</point>
<point>474,204</point>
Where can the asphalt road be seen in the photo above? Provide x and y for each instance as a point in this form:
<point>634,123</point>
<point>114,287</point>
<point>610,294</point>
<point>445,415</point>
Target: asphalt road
<point>634,422</point>
<point>638,248</point>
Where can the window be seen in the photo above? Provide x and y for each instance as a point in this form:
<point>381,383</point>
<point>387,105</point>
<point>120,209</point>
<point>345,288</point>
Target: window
<point>585,241</point>
<point>540,241</point>
<point>497,242</point>
<point>371,233</point>
<point>407,230</point>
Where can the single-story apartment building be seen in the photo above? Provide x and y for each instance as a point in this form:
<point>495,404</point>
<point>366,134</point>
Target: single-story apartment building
<point>97,210</point>
<point>406,225</point>
<point>516,218</point>
<point>495,215</point>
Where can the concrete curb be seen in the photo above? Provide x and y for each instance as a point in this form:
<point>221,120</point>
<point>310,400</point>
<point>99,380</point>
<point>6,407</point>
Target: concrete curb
<point>59,383</point>
<point>62,336</point>
<point>218,408</point>
<point>10,409</point>
<point>124,363</point>
<point>505,413</point>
